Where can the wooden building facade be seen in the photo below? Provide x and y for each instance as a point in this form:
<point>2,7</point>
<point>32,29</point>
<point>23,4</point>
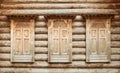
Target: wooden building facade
<point>59,36</point>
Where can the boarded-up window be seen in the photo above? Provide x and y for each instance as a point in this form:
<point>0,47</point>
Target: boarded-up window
<point>22,40</point>
<point>60,40</point>
<point>98,40</point>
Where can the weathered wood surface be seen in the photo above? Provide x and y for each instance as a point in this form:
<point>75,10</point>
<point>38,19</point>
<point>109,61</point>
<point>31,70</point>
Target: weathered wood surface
<point>116,18</point>
<point>60,70</point>
<point>60,6</point>
<point>67,1</point>
<point>44,50</point>
<point>5,36</point>
<point>115,24</point>
<point>58,11</point>
<point>78,50</point>
<point>4,24</point>
<point>3,18</point>
<point>74,64</point>
<point>44,57</point>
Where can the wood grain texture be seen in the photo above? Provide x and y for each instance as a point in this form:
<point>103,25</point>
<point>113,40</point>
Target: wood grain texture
<point>60,6</point>
<point>44,64</point>
<point>63,1</point>
<point>3,18</point>
<point>60,70</point>
<point>58,12</point>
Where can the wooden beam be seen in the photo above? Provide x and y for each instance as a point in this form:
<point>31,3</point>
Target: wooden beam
<point>60,6</point>
<point>57,11</point>
<point>58,1</point>
<point>75,64</point>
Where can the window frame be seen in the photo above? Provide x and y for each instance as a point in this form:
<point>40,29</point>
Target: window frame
<point>32,34</point>
<point>50,21</point>
<point>89,21</point>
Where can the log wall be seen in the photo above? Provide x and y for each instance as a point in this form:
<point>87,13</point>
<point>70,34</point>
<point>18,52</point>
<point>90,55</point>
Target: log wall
<point>41,64</point>
<point>41,48</point>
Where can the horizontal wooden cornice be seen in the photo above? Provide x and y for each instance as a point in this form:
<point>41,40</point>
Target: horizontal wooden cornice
<point>57,11</point>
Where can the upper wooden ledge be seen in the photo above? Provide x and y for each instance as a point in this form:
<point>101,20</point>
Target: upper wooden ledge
<point>58,11</point>
<point>56,1</point>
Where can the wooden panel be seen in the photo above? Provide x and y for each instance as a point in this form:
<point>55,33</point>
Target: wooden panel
<point>58,12</point>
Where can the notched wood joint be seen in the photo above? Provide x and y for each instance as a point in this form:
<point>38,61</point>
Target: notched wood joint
<point>22,16</point>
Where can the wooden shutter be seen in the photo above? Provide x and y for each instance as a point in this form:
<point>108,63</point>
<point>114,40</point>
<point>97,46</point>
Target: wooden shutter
<point>59,32</point>
<point>22,40</point>
<point>98,40</point>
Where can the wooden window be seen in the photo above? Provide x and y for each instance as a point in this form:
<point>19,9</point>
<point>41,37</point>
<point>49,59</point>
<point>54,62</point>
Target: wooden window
<point>60,40</point>
<point>98,40</point>
<point>22,40</point>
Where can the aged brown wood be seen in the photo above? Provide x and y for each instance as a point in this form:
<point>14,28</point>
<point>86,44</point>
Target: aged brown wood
<point>43,8</point>
<point>58,12</point>
<point>43,64</point>
<point>66,1</point>
<point>4,24</point>
<point>60,6</point>
<point>3,18</point>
